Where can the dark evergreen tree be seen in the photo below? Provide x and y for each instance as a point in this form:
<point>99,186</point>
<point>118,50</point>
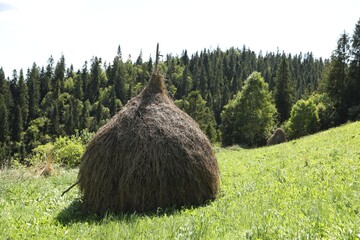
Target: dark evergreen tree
<point>17,124</point>
<point>139,60</point>
<point>185,58</point>
<point>337,78</point>
<point>98,113</point>
<point>5,90</point>
<point>4,121</point>
<point>34,92</point>
<point>94,85</point>
<point>78,88</point>
<point>283,93</point>
<point>57,82</point>
<point>55,120</point>
<point>184,85</point>
<point>45,78</point>
<point>23,99</point>
<point>85,115</point>
<point>354,72</point>
<point>118,77</point>
<point>69,118</point>
<point>112,105</point>
<point>76,108</point>
<point>85,77</point>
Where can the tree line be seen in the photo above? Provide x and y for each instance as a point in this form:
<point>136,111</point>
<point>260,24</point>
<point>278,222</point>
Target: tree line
<point>46,102</point>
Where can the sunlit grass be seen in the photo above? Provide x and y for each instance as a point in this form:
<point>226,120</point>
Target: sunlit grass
<point>308,188</point>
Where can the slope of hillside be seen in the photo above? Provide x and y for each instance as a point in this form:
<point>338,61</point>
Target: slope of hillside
<point>307,188</point>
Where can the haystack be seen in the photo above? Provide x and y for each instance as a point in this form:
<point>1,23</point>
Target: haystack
<point>150,155</point>
<point>279,136</point>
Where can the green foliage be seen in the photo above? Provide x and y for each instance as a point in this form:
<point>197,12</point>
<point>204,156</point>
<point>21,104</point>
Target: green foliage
<point>304,119</point>
<point>326,110</point>
<point>65,151</point>
<point>303,189</point>
<point>69,99</point>
<point>195,106</point>
<point>68,151</point>
<point>249,118</point>
<point>35,134</point>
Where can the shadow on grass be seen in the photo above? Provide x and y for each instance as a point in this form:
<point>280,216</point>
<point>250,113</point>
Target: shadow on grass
<point>76,212</point>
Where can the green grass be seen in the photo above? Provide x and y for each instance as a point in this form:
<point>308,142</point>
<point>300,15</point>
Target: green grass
<point>304,189</point>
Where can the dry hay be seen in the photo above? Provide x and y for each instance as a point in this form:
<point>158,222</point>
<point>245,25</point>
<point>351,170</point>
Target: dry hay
<point>279,136</point>
<point>150,155</point>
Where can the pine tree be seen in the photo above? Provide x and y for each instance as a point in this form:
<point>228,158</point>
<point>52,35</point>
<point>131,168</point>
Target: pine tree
<point>57,82</point>
<point>4,121</point>
<point>55,120</point>
<point>112,105</point>
<point>5,90</point>
<point>284,91</point>
<point>337,78</point>
<point>78,88</point>
<point>85,115</point>
<point>354,72</point>
<point>34,92</point>
<point>76,108</point>
<point>23,99</point>
<point>46,77</point>
<point>17,124</point>
<point>86,82</point>
<point>69,118</point>
<point>94,85</point>
<point>118,77</point>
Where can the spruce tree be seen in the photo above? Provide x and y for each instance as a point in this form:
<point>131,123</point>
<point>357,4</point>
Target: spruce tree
<point>78,88</point>
<point>34,92</point>
<point>4,121</point>
<point>57,82</point>
<point>118,77</point>
<point>23,99</point>
<point>85,115</point>
<point>5,90</point>
<point>17,124</point>
<point>94,85</point>
<point>284,91</point>
<point>337,78</point>
<point>55,120</point>
<point>112,105</point>
<point>354,81</point>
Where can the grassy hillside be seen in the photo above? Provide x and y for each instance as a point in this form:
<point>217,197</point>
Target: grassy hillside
<point>308,188</point>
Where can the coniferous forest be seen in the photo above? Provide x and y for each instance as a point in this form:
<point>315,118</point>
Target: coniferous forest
<point>303,94</point>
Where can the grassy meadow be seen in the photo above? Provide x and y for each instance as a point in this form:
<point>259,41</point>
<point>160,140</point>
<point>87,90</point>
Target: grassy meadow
<point>304,189</point>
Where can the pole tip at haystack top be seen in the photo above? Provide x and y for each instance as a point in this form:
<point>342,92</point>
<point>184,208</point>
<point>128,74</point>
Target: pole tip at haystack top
<point>157,58</point>
<point>157,83</point>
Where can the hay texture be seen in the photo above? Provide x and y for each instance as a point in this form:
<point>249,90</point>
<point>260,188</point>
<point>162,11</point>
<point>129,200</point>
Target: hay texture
<point>279,136</point>
<point>150,155</point>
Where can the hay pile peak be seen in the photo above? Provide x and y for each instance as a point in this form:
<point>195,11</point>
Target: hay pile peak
<point>150,155</point>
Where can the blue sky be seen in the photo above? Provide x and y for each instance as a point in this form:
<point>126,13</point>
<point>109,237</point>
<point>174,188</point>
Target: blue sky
<point>80,29</point>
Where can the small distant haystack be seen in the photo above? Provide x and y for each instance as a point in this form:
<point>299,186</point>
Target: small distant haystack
<point>279,136</point>
<point>149,155</point>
